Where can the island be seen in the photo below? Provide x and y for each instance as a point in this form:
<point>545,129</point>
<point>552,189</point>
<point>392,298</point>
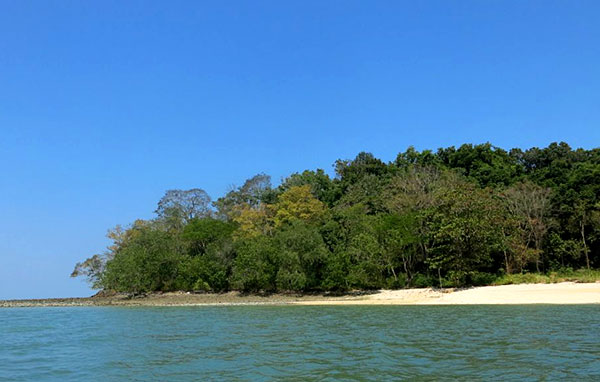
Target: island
<point>476,215</point>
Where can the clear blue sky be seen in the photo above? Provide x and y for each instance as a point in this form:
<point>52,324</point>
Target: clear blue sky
<point>104,105</point>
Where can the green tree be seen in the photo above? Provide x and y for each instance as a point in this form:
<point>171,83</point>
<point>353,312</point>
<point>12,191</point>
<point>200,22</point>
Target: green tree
<point>398,236</point>
<point>199,234</point>
<point>415,191</point>
<point>351,171</point>
<point>301,257</point>
<point>255,267</point>
<point>530,204</point>
<point>486,164</point>
<point>148,262</point>
<point>254,193</point>
<point>367,191</point>
<point>464,235</point>
<point>92,269</point>
<point>178,207</point>
<point>321,186</point>
<point>358,251</point>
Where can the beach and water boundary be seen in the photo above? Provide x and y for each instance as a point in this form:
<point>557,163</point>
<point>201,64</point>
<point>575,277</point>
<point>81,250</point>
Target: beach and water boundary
<point>557,293</point>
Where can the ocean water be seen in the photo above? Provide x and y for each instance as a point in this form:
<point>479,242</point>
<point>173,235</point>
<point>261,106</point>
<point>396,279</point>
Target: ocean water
<point>301,343</point>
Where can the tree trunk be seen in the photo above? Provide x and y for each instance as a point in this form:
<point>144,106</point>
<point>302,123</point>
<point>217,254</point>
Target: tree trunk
<point>505,254</point>
<point>585,248</point>
<point>539,257</point>
<point>506,262</point>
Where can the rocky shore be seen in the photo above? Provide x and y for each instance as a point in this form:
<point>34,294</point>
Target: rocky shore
<point>180,299</point>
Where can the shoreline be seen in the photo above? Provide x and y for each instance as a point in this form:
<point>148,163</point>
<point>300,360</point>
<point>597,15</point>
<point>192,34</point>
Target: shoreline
<point>558,293</point>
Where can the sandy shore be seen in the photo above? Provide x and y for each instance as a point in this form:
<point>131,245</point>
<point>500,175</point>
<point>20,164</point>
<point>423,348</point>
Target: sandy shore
<point>560,293</point>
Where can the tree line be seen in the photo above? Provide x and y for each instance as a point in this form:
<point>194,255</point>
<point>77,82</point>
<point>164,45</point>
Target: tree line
<point>453,217</point>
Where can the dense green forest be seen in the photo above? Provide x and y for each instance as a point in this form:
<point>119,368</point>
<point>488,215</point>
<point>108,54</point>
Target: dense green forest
<point>451,217</point>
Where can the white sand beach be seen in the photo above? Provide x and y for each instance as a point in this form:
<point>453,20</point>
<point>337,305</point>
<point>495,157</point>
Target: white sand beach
<point>559,293</point>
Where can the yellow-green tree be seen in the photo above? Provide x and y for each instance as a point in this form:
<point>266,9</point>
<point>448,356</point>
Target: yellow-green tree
<point>297,203</point>
<point>252,221</point>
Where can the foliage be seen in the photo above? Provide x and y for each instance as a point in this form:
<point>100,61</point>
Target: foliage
<point>297,204</point>
<point>301,254</point>
<point>463,230</point>
<point>149,262</point>
<point>255,192</point>
<point>92,269</point>
<point>561,275</point>
<point>255,267</point>
<point>252,221</point>
<point>472,215</point>
<point>201,233</point>
<point>181,206</point>
<point>321,186</point>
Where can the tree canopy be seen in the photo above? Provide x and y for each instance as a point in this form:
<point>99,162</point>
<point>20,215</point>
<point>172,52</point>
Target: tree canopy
<point>451,217</point>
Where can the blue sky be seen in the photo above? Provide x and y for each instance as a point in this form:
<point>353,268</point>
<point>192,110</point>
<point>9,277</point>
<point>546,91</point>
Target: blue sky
<point>105,105</point>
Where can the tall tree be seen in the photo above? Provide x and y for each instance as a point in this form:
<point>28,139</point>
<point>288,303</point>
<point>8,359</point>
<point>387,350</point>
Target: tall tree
<point>254,193</point>
<point>201,233</point>
<point>178,207</point>
<point>321,186</point>
<point>415,191</point>
<point>530,203</point>
<point>464,235</point>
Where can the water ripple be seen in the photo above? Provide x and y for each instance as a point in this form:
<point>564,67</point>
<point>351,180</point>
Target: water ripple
<point>293,343</point>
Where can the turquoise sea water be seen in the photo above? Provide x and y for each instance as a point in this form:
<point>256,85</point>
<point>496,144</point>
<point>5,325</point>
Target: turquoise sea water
<point>300,343</point>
